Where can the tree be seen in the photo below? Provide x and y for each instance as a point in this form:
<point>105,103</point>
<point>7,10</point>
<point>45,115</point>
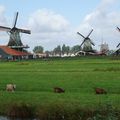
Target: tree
<point>65,49</point>
<point>38,49</point>
<point>48,53</point>
<point>57,50</point>
<point>75,48</point>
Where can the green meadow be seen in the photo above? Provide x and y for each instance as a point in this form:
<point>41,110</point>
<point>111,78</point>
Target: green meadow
<point>35,80</point>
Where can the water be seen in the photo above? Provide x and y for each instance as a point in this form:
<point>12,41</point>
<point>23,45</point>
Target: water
<point>3,118</point>
<point>6,118</point>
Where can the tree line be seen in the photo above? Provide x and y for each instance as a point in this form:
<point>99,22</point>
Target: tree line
<point>58,50</point>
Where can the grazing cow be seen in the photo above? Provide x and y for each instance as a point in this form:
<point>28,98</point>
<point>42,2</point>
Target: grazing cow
<point>58,90</point>
<point>100,91</point>
<point>10,87</point>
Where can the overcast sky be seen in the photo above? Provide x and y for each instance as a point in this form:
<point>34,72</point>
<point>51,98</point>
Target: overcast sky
<point>54,22</point>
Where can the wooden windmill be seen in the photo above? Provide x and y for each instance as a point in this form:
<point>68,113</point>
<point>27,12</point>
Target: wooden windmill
<point>87,42</point>
<point>14,35</point>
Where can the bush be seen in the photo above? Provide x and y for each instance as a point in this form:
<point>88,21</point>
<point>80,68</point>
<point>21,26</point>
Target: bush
<point>20,111</point>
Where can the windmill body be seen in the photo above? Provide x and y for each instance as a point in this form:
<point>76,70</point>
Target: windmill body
<point>14,35</point>
<point>15,39</point>
<point>87,46</point>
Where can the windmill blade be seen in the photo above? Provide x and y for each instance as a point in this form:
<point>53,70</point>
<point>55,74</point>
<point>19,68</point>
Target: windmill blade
<point>118,29</point>
<point>80,34</point>
<point>118,45</point>
<point>16,17</point>
<point>92,42</point>
<point>24,31</point>
<point>82,43</point>
<point>7,29</point>
<point>90,33</point>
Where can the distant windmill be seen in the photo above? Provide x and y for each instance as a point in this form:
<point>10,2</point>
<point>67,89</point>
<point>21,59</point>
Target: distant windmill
<point>119,31</point>
<point>87,42</point>
<point>104,48</point>
<point>14,33</point>
<point>118,50</point>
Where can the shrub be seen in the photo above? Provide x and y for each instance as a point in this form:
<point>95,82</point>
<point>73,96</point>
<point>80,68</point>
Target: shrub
<point>20,111</point>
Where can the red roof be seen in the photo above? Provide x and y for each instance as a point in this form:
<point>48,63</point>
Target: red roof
<point>14,52</point>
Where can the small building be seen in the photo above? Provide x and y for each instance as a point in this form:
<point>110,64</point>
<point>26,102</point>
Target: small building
<point>12,54</point>
<point>40,55</point>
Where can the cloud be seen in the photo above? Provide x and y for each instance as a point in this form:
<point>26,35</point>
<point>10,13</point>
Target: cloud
<point>2,16</point>
<point>45,21</point>
<point>105,4</point>
<point>48,28</point>
<point>3,22</point>
<point>104,22</point>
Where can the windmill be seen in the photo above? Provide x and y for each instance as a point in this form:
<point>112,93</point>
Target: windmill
<point>14,35</point>
<point>87,42</point>
<point>118,51</point>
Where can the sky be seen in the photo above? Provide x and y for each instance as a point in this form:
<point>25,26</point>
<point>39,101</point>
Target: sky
<point>56,22</point>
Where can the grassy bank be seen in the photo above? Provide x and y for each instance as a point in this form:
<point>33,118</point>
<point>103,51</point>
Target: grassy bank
<point>35,81</point>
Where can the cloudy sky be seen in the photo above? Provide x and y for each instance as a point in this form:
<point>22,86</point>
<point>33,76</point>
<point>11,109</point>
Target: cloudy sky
<point>56,22</point>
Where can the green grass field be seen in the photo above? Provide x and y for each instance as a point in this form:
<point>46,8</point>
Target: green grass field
<point>35,81</point>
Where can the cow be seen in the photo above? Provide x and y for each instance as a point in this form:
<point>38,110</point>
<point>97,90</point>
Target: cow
<point>58,90</point>
<point>100,91</point>
<point>10,87</point>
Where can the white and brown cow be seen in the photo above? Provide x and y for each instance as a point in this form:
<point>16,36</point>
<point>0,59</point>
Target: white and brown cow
<point>10,87</point>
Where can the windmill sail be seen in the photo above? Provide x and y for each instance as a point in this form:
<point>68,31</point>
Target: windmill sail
<point>24,31</point>
<point>118,29</point>
<point>7,29</point>
<point>15,21</point>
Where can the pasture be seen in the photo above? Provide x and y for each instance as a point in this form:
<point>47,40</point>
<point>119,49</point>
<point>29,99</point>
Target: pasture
<point>35,81</point>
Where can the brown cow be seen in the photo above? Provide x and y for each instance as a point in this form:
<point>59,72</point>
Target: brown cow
<point>58,90</point>
<point>100,91</point>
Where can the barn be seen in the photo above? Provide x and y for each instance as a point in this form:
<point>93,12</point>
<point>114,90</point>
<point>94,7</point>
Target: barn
<point>13,54</point>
